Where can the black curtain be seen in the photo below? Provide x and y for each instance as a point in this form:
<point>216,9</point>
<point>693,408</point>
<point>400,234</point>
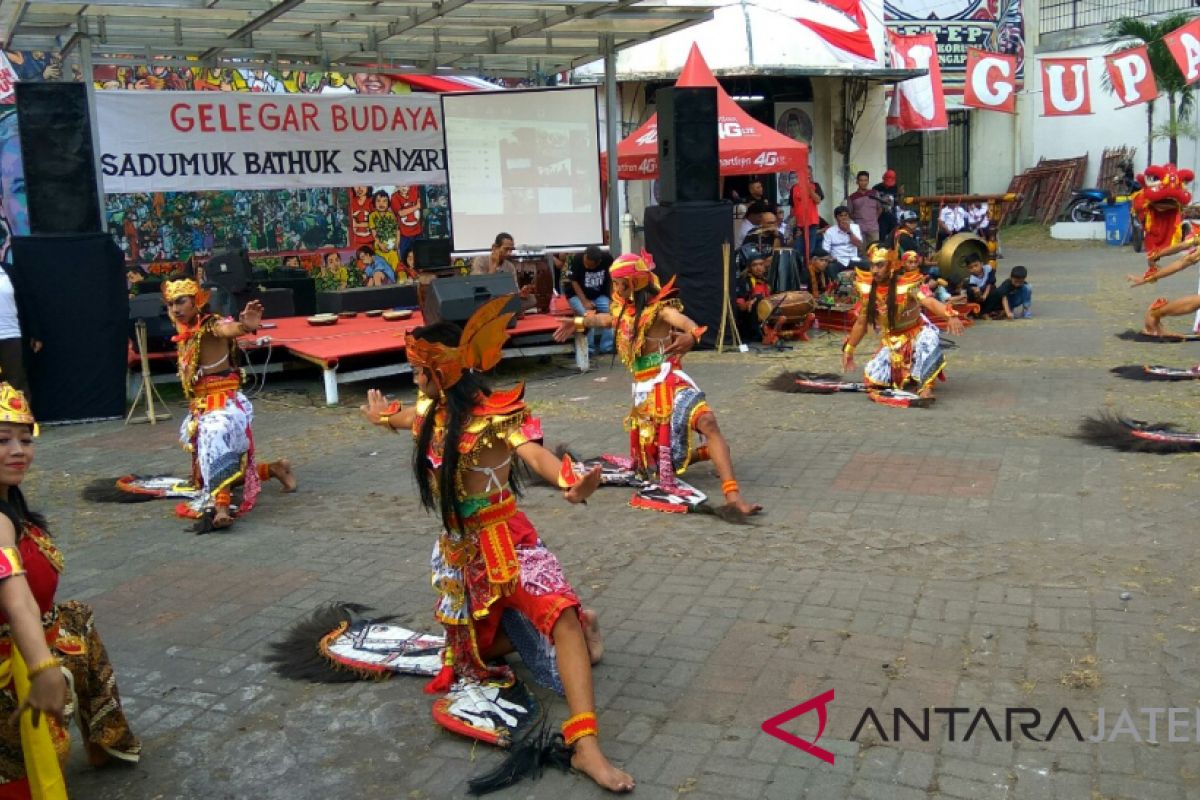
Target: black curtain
<point>71,296</point>
<point>685,240</point>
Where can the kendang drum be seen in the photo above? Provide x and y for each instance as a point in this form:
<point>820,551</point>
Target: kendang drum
<point>793,308</point>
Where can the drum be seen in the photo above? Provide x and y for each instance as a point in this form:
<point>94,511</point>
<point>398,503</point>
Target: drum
<point>792,307</point>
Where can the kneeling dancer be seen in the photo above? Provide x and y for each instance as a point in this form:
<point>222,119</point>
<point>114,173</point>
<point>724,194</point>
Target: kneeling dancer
<point>217,428</point>
<point>489,561</point>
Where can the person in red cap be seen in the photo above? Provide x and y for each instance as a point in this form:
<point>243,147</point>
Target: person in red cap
<point>889,192</point>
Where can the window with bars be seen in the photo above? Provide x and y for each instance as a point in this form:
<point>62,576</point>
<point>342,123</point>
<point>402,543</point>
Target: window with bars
<point>1065,15</point>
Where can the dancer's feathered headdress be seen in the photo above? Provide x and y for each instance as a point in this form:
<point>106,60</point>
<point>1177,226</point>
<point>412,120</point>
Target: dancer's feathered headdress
<point>184,287</point>
<point>478,348</point>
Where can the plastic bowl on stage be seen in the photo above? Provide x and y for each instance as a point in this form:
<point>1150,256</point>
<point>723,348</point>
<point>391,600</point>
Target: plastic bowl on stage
<point>395,316</point>
<point>378,312</point>
<point>347,314</point>
<point>323,319</point>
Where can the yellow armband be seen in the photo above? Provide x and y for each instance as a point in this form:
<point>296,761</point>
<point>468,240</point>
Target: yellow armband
<point>10,562</point>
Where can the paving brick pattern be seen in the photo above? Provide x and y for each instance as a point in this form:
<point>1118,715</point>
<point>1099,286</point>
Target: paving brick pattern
<point>969,555</point>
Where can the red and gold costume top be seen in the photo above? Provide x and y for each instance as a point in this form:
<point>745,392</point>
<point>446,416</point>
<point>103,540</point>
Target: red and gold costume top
<point>908,293</point>
<point>631,327</point>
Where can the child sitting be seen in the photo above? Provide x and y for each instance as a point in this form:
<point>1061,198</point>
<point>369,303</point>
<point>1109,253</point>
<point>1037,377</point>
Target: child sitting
<point>1012,299</point>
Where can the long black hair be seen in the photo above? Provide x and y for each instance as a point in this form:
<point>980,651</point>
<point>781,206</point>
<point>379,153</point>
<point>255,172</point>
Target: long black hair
<point>891,301</point>
<point>459,402</point>
<point>18,512</point>
<point>641,299</point>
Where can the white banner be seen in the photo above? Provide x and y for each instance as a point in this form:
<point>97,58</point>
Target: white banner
<point>190,141</point>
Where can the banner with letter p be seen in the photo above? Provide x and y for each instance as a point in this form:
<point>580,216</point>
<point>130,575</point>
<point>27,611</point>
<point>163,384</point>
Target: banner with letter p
<point>1131,77</point>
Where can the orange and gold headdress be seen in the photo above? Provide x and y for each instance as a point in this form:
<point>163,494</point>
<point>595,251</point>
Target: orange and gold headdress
<point>14,408</point>
<point>637,268</point>
<point>184,287</point>
<point>478,348</point>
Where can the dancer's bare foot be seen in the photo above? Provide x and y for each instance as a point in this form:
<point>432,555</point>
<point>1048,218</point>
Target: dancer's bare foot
<point>281,471</point>
<point>590,621</point>
<point>590,761</point>
<point>221,518</point>
<point>734,500</point>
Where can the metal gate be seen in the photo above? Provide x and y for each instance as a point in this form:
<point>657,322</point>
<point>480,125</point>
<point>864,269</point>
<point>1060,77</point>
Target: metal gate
<point>934,162</point>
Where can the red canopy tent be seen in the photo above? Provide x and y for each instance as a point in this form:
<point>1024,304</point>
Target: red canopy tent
<point>745,145</point>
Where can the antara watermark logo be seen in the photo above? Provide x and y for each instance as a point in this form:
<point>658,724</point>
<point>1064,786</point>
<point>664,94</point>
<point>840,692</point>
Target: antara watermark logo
<point>964,724</point>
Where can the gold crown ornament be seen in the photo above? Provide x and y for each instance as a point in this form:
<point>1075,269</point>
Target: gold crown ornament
<point>14,408</point>
<point>184,287</point>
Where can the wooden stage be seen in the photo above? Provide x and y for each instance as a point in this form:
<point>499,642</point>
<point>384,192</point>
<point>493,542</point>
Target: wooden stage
<point>352,349</point>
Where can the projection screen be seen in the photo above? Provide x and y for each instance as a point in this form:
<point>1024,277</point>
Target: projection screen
<point>524,162</point>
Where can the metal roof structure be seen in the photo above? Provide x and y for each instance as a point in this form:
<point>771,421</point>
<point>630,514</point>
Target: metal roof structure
<point>486,37</point>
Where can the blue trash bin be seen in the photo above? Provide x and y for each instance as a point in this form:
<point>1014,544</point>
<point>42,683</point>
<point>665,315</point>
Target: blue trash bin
<point>1116,223</point>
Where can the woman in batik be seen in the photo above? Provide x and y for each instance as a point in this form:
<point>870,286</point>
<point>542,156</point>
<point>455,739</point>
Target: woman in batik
<point>46,648</point>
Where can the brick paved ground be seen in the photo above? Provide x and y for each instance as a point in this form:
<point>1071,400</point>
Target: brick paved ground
<point>969,555</point>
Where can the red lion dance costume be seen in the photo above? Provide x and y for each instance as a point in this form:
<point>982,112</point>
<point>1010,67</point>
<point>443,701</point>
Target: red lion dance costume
<point>1159,205</point>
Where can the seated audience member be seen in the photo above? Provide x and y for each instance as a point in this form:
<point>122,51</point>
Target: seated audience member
<point>952,219</point>
<point>904,237</point>
<point>751,220</point>
<point>766,237</point>
<point>818,264</point>
<point>591,290</point>
<point>752,287</point>
<point>977,217</point>
<point>1012,299</point>
<point>843,241</point>
<point>498,259</point>
<point>980,282</point>
<point>374,269</point>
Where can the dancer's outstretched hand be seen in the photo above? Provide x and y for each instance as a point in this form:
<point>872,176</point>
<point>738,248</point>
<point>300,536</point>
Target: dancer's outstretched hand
<point>847,362</point>
<point>954,326</point>
<point>582,490</point>
<point>566,329</point>
<point>680,343</point>
<point>376,405</point>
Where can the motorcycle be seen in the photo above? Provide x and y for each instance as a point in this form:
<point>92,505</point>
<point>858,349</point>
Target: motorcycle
<point>1087,205</point>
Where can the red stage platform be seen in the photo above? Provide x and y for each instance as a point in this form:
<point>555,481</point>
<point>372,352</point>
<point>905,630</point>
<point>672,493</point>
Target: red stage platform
<point>335,347</point>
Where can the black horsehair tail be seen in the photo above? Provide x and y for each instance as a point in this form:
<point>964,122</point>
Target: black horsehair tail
<point>1111,430</point>
<point>105,490</point>
<point>787,382</point>
<point>298,657</point>
<point>538,749</point>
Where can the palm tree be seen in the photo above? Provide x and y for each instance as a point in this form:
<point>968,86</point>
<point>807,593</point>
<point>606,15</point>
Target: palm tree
<point>1166,74</point>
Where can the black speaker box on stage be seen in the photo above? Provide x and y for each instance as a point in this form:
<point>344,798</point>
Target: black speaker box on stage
<point>688,164</point>
<point>431,253</point>
<point>303,289</point>
<point>151,309</point>
<point>229,269</point>
<point>368,298</point>
<point>685,240</point>
<point>71,289</point>
<point>276,302</point>
<point>455,299</point>
<point>58,159</point>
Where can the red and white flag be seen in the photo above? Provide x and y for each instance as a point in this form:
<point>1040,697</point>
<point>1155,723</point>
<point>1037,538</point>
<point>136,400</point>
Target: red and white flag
<point>851,43</point>
<point>918,104</point>
<point>1184,44</point>
<point>1065,87</point>
<point>991,81</point>
<point>1131,77</point>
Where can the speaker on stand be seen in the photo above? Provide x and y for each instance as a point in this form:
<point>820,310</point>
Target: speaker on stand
<point>688,159</point>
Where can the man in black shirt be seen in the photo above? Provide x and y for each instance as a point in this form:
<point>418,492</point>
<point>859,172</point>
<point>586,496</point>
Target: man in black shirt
<point>589,289</point>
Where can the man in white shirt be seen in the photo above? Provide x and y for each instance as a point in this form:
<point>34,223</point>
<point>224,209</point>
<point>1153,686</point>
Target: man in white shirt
<point>977,217</point>
<point>752,220</point>
<point>951,219</point>
<point>842,241</point>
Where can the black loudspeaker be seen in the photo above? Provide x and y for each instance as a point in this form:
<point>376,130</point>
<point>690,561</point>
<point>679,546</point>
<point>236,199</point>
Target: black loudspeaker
<point>230,269</point>
<point>75,296</point>
<point>276,302</point>
<point>688,163</point>
<point>455,299</point>
<point>304,291</point>
<point>151,309</point>
<point>368,298</point>
<point>685,241</point>
<point>431,253</point>
<point>59,163</point>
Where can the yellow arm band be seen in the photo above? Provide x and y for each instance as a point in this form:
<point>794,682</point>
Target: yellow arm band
<point>580,325</point>
<point>10,562</point>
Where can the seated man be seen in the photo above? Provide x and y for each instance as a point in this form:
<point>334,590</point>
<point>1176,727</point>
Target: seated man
<point>843,241</point>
